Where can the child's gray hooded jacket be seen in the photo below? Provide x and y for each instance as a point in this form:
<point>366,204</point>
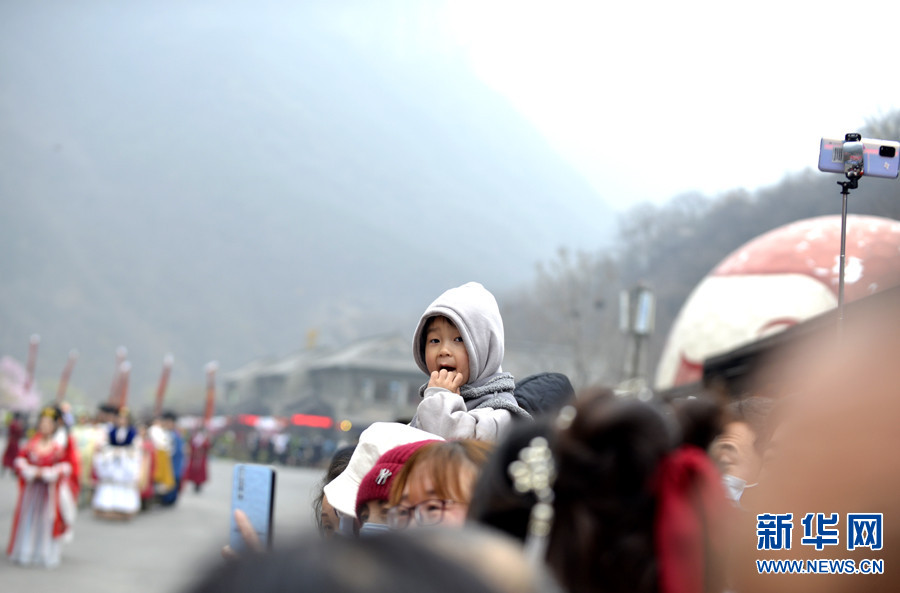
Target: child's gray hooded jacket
<point>485,406</point>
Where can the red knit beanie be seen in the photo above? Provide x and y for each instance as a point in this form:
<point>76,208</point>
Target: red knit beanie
<point>376,485</point>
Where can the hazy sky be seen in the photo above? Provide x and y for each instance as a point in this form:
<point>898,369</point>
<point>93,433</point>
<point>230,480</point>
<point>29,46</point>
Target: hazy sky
<point>647,99</point>
<point>655,98</point>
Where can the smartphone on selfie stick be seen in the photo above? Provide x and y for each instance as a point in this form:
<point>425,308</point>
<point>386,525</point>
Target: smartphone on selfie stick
<point>253,492</point>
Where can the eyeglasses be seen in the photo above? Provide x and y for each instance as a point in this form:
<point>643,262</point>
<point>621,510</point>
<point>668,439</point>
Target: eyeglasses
<point>427,512</point>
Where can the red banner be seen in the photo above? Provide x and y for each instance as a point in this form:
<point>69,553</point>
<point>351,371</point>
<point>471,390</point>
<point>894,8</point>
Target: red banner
<point>312,420</point>
<point>210,391</point>
<point>124,372</point>
<point>168,361</point>
<point>64,379</point>
<point>115,388</point>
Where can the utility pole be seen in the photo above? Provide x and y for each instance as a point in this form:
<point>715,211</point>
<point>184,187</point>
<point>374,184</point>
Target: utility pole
<point>636,318</point>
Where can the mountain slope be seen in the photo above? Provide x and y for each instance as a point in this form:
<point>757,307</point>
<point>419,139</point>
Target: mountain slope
<point>216,181</point>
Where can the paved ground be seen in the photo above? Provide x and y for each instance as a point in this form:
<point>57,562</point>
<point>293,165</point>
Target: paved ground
<point>160,551</point>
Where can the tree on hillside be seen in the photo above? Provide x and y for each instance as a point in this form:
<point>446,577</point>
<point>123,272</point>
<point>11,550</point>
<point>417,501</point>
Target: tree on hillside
<point>885,127</point>
<point>886,200</point>
<point>572,304</point>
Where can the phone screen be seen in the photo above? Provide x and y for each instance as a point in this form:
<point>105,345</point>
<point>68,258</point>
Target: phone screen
<point>253,492</point>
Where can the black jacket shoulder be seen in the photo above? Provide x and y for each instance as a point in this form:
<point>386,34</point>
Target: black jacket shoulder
<point>544,393</point>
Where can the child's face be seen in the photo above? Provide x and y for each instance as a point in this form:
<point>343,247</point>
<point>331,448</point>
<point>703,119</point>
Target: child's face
<point>444,348</point>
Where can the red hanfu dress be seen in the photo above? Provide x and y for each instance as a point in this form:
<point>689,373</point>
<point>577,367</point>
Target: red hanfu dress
<point>48,492</point>
<point>196,468</point>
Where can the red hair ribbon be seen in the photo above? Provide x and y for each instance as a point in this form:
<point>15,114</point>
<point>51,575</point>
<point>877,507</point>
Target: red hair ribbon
<point>691,523</point>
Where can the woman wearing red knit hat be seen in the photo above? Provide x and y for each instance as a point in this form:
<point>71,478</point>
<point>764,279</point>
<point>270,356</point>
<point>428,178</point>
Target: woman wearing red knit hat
<point>375,487</point>
<point>435,485</point>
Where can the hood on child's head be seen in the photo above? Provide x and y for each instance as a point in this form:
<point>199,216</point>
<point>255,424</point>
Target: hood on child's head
<point>475,313</point>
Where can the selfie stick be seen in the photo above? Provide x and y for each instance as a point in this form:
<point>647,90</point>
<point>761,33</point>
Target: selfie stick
<point>853,169</point>
<point>853,183</point>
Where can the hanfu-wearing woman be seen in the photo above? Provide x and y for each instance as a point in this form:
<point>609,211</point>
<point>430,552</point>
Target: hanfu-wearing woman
<point>196,467</point>
<point>47,466</point>
<point>163,474</point>
<point>148,463</point>
<point>117,467</point>
<point>15,432</point>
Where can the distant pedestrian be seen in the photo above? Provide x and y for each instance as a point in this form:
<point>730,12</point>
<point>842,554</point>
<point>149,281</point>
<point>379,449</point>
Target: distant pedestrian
<point>148,466</point>
<point>280,442</point>
<point>117,467</point>
<point>176,455</point>
<point>14,433</point>
<point>163,444</point>
<point>196,470</point>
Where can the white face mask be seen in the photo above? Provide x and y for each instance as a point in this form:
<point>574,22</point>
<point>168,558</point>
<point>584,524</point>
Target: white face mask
<point>369,529</point>
<point>734,487</point>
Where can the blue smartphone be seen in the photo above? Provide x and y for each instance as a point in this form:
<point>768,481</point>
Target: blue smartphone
<point>253,492</point>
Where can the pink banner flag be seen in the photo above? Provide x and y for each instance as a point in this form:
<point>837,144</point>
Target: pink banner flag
<point>32,361</point>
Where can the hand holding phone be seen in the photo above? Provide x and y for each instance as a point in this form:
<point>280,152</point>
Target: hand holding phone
<point>252,493</point>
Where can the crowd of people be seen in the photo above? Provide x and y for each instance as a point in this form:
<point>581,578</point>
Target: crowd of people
<point>109,464</point>
<point>599,491</point>
<point>292,448</point>
<point>509,486</point>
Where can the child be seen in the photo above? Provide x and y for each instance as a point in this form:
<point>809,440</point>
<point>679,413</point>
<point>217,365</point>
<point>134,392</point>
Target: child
<point>459,343</point>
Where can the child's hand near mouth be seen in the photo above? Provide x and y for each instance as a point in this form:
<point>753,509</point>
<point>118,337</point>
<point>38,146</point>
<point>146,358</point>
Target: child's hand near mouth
<point>447,379</point>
